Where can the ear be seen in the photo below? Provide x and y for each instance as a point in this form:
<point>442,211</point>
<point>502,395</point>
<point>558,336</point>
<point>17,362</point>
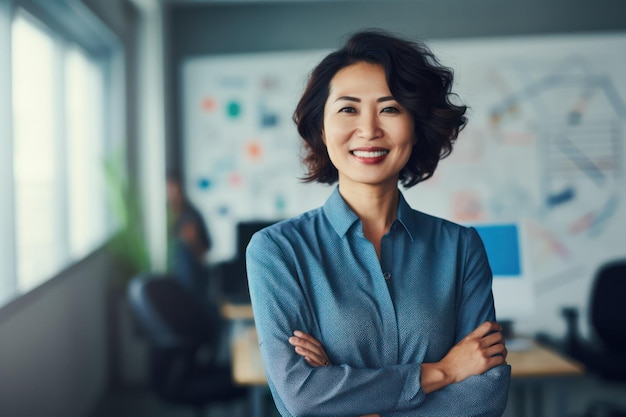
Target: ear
<point>323,135</point>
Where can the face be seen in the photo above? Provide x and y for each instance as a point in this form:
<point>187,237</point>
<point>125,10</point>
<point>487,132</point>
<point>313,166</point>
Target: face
<point>368,134</point>
<point>174,192</point>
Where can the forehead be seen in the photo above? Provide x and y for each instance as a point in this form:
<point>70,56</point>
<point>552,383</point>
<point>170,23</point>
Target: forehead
<point>361,76</point>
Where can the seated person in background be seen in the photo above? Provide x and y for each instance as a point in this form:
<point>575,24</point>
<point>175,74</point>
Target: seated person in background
<point>190,239</point>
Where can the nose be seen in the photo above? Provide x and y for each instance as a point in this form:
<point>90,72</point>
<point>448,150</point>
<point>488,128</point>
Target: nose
<point>369,126</point>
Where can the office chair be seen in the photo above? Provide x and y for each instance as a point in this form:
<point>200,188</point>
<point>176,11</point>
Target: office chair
<point>604,354</point>
<point>183,338</point>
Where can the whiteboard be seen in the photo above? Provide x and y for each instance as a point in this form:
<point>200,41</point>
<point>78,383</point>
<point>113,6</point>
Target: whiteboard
<point>544,149</point>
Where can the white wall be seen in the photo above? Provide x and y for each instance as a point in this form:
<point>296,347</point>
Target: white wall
<point>53,345</point>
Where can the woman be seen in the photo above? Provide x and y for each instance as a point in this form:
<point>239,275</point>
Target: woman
<point>365,306</point>
<point>190,238</point>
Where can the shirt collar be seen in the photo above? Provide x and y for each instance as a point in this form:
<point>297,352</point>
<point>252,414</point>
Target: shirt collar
<point>406,217</point>
<point>341,216</point>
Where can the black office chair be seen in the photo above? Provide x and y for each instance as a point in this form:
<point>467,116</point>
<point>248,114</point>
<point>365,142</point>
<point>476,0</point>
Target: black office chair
<point>183,338</point>
<point>604,353</point>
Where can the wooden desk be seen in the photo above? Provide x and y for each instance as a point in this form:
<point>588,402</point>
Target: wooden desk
<point>539,361</point>
<point>246,358</point>
<point>532,371</point>
<point>232,311</point>
<point>247,367</point>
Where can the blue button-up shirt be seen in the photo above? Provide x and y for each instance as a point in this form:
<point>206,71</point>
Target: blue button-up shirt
<point>378,320</point>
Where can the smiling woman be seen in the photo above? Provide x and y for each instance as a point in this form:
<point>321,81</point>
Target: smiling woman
<point>365,306</point>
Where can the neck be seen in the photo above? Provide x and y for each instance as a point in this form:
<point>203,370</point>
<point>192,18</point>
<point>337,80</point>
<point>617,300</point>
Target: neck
<point>177,206</point>
<point>377,207</point>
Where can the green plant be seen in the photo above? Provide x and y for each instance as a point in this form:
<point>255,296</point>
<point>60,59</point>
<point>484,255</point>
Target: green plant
<point>128,245</point>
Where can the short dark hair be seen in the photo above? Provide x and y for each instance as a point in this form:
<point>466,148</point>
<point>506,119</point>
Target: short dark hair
<point>174,175</point>
<point>416,80</point>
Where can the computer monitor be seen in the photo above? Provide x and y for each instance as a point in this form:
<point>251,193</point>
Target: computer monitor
<point>235,280</point>
<point>245,230</point>
<point>512,287</point>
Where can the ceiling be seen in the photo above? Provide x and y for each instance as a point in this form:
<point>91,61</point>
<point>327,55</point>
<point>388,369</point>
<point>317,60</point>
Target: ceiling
<point>252,1</point>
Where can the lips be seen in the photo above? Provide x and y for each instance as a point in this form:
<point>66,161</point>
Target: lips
<point>370,155</point>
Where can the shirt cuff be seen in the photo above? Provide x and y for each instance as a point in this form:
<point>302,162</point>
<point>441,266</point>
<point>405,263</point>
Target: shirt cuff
<point>413,393</point>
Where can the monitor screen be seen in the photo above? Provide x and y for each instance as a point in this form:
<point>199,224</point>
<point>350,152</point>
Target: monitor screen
<point>512,289</point>
<point>235,280</point>
<point>502,246</point>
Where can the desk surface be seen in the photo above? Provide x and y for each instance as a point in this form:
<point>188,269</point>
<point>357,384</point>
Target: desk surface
<point>246,358</point>
<point>537,361</point>
<point>232,311</point>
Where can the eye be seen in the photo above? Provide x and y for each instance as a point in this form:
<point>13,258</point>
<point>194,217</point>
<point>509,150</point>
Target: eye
<point>390,110</point>
<point>347,110</point>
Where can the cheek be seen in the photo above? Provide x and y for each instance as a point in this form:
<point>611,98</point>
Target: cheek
<point>333,149</point>
<point>332,135</point>
<point>408,133</point>
<point>337,124</point>
<point>404,137</point>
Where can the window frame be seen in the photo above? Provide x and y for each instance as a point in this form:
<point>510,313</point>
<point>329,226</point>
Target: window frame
<point>8,285</point>
<point>70,23</point>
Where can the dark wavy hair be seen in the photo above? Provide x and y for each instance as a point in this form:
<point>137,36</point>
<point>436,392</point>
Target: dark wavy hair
<point>416,80</point>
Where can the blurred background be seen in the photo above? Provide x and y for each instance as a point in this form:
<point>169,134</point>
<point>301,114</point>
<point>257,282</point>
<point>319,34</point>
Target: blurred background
<point>150,139</point>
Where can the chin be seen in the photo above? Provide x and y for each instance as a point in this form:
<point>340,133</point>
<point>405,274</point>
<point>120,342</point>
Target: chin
<point>375,182</point>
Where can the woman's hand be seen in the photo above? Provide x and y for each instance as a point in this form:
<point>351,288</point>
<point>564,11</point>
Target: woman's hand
<point>313,352</point>
<point>478,352</point>
<point>309,348</point>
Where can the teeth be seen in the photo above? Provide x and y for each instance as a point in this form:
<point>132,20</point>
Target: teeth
<point>369,154</point>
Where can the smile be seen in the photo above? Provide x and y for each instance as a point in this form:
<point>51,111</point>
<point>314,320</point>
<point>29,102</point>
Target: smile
<point>369,154</point>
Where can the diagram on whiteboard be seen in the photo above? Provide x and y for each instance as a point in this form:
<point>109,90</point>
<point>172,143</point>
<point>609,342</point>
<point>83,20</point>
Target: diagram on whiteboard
<point>545,144</point>
<point>242,150</point>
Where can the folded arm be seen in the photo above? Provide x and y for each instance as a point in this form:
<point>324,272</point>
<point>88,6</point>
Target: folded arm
<point>472,380</point>
<point>482,395</point>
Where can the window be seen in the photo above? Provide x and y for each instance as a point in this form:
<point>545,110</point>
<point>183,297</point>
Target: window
<point>36,162</point>
<point>85,153</point>
<point>61,120</point>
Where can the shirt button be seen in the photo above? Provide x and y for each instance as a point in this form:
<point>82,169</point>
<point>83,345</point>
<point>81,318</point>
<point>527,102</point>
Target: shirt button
<point>387,276</point>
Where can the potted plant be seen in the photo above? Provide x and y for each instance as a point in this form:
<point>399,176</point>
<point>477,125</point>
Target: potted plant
<point>128,245</point>
<point>129,250</point>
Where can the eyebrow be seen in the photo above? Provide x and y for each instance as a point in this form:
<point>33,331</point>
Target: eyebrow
<point>358,100</point>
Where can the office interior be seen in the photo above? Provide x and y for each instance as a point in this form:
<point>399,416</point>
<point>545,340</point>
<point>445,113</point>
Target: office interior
<point>68,346</point>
